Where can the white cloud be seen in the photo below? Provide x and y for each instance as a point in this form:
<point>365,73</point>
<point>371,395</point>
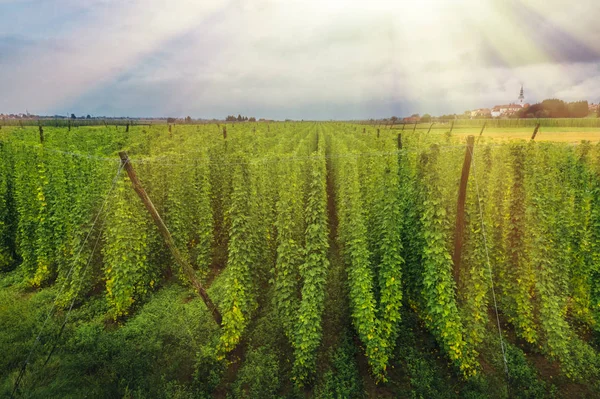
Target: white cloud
<point>301,58</point>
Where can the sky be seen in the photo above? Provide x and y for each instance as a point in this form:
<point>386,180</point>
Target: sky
<point>298,59</point>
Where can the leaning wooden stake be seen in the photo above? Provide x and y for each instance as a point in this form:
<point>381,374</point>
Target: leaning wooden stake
<point>460,212</point>
<point>535,131</point>
<point>399,141</point>
<point>452,127</point>
<point>164,232</point>
<point>482,129</point>
<point>430,126</point>
<point>41,134</point>
<point>414,128</point>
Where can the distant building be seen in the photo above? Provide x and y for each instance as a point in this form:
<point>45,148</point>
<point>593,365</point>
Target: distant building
<point>481,113</point>
<point>411,119</point>
<point>521,96</point>
<point>593,107</point>
<point>509,109</point>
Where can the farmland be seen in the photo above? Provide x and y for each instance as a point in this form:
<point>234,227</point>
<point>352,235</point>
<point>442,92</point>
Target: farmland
<point>328,249</point>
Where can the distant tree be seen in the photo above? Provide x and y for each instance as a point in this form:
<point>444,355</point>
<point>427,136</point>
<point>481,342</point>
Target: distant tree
<point>188,119</point>
<point>543,113</point>
<point>447,117</point>
<point>426,118</point>
<point>239,118</point>
<point>230,118</point>
<point>530,111</point>
<point>578,109</point>
<point>394,120</point>
<point>73,116</point>
<point>414,116</point>
<point>88,116</point>
<point>556,108</point>
<point>252,119</point>
<point>171,120</point>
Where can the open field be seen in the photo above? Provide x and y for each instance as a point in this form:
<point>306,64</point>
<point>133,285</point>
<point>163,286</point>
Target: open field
<point>504,134</point>
<point>307,260</point>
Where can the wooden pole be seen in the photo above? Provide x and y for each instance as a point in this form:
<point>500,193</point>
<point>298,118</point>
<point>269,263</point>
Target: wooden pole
<point>430,126</point>
<point>225,132</point>
<point>535,131</point>
<point>460,212</point>
<point>164,232</point>
<point>41,133</point>
<point>414,128</point>
<point>451,126</point>
<point>377,132</point>
<point>399,141</point>
<point>403,126</point>
<point>482,128</point>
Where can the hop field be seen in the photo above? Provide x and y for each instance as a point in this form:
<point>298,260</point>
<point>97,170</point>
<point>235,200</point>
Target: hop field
<point>327,249</point>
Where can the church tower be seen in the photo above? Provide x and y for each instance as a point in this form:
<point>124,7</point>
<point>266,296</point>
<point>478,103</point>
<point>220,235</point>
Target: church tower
<point>521,96</point>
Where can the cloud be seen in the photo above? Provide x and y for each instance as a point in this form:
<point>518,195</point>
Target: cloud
<point>301,59</point>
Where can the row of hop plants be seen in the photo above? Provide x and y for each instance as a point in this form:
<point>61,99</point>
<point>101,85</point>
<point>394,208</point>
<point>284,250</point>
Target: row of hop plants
<point>536,204</point>
<point>368,209</point>
<point>542,248</point>
<point>253,206</point>
<point>533,202</point>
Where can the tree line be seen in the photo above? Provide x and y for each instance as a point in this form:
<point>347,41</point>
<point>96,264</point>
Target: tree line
<point>239,118</point>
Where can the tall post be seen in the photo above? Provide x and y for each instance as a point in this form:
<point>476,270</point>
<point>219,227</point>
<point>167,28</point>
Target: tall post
<point>399,141</point>
<point>535,131</point>
<point>460,211</point>
<point>451,126</point>
<point>41,133</point>
<point>430,126</point>
<point>415,128</point>
<point>377,132</point>
<point>482,128</point>
<point>225,132</point>
<point>164,232</point>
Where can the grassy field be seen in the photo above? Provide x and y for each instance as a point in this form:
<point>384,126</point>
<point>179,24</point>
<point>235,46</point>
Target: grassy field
<point>557,134</point>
